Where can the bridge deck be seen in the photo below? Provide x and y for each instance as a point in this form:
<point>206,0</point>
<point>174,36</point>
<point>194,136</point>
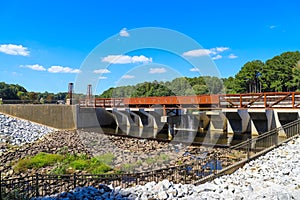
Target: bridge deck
<point>253,100</point>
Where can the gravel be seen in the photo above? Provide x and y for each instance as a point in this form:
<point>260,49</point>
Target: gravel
<point>275,175</point>
<point>18,132</point>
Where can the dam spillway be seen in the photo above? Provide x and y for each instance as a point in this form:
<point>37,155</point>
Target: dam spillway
<point>249,114</point>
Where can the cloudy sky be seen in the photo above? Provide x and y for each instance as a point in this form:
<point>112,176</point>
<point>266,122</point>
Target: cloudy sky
<point>46,44</point>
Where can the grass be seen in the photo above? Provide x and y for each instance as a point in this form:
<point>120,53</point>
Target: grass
<point>127,167</point>
<point>63,164</point>
<point>38,161</point>
<point>106,158</point>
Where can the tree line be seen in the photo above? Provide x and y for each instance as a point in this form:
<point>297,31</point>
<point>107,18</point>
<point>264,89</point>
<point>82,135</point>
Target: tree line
<point>278,74</point>
<point>17,92</point>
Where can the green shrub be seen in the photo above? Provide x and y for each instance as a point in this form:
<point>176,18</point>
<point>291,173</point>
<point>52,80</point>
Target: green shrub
<point>79,164</point>
<point>150,160</point>
<point>60,169</point>
<point>127,167</point>
<point>44,159</point>
<point>164,156</point>
<point>62,163</point>
<point>106,158</point>
<point>100,169</point>
<point>38,161</point>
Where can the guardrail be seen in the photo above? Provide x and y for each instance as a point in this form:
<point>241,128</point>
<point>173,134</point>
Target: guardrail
<point>257,146</point>
<point>199,171</point>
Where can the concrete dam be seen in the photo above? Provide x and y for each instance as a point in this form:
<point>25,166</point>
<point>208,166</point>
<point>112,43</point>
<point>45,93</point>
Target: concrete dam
<point>250,114</point>
<point>227,121</point>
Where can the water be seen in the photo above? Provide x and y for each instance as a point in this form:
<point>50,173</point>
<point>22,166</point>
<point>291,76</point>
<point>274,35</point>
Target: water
<point>184,136</point>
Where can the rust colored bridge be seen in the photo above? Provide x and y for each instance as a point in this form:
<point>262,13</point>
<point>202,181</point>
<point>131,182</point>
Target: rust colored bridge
<point>269,100</point>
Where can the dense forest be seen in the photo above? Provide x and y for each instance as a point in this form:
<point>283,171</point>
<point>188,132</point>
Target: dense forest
<point>17,92</point>
<point>278,74</point>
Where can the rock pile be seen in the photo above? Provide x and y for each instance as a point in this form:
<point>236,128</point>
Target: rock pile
<point>275,175</point>
<point>145,155</point>
<point>54,142</point>
<point>18,132</point>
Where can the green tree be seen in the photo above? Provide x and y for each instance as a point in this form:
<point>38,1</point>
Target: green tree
<point>248,79</point>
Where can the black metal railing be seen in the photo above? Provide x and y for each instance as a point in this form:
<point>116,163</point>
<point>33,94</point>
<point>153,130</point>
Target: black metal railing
<point>269,139</point>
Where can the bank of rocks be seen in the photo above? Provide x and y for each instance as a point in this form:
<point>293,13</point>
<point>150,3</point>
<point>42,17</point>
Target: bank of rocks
<point>141,155</point>
<point>18,132</point>
<point>63,142</point>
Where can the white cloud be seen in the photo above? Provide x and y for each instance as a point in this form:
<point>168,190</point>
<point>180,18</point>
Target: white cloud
<point>128,76</point>
<point>60,69</point>
<point>157,70</point>
<point>12,49</point>
<point>101,71</point>
<point>124,33</point>
<point>141,59</point>
<point>36,67</point>
<point>195,69</point>
<point>205,52</point>
<point>220,49</point>
<point>213,52</point>
<point>232,56</point>
<point>198,53</point>
<point>217,57</point>
<point>102,77</point>
<point>124,59</point>
<point>272,26</point>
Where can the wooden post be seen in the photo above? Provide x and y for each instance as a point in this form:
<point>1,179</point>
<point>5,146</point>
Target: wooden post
<point>75,177</point>
<point>241,101</point>
<point>36,184</point>
<point>293,100</point>
<point>265,100</point>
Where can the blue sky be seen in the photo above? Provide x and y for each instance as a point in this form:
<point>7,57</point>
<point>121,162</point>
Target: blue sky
<point>46,44</point>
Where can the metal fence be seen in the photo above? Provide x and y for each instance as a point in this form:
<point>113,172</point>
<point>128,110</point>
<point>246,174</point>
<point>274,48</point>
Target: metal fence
<point>268,140</point>
<point>194,173</point>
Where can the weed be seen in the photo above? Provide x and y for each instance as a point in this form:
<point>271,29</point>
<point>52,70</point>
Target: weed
<point>127,167</point>
<point>79,164</point>
<point>38,161</point>
<point>106,158</point>
<point>100,169</point>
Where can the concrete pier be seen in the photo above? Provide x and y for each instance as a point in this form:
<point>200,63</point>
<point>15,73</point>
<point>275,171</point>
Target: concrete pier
<point>230,121</point>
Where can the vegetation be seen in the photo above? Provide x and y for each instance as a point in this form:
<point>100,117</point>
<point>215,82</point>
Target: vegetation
<point>177,87</point>
<point>279,74</point>
<point>63,164</point>
<point>127,167</point>
<point>40,160</point>
<point>17,92</point>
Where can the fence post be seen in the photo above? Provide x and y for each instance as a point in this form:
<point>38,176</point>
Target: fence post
<point>74,177</point>
<point>215,163</point>
<point>36,184</point>
<point>276,138</point>
<point>248,148</point>
<point>185,169</point>
<point>0,185</point>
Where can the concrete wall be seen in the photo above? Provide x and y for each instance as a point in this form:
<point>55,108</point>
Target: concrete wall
<point>60,116</point>
<point>57,116</point>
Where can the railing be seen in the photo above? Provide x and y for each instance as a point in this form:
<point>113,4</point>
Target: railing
<point>252,100</point>
<point>257,146</point>
<point>197,172</point>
